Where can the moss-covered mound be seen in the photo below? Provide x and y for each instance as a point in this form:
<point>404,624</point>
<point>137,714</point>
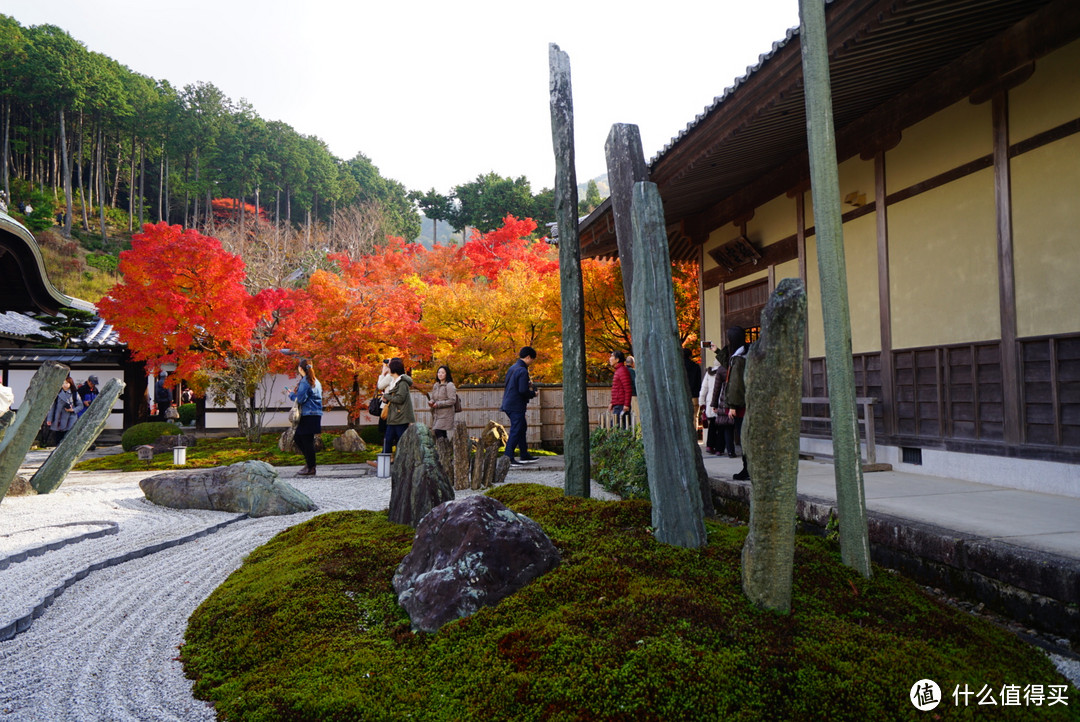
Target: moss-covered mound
<point>624,629</point>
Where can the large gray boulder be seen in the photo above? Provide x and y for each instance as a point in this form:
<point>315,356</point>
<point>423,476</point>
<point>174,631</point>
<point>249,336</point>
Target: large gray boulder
<point>417,481</point>
<point>248,486</point>
<point>468,554</point>
<point>287,442</point>
<point>349,442</point>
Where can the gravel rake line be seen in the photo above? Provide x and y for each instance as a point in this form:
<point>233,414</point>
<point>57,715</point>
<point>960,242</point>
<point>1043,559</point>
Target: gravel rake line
<point>22,623</point>
<point>110,527</point>
<point>120,660</point>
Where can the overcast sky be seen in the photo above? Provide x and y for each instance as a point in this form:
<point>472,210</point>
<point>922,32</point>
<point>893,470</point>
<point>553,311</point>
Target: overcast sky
<point>436,92</point>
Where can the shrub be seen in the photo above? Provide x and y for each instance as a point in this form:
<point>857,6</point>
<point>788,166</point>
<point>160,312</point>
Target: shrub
<point>147,433</point>
<point>618,462</point>
<point>187,414</point>
<point>370,435</point>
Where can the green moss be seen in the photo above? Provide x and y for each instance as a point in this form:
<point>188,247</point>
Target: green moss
<point>147,433</point>
<point>618,462</point>
<point>624,629</point>
<point>209,453</point>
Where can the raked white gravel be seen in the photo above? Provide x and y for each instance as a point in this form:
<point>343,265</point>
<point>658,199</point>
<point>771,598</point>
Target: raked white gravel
<point>106,648</point>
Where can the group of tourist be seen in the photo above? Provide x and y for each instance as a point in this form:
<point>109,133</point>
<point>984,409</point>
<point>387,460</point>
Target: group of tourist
<point>722,398</point>
<point>395,408</point>
<point>70,403</point>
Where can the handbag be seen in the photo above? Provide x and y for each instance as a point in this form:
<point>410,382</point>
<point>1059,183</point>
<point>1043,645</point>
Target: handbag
<point>374,406</point>
<point>457,404</point>
<point>722,417</point>
<point>294,414</point>
<point>385,411</point>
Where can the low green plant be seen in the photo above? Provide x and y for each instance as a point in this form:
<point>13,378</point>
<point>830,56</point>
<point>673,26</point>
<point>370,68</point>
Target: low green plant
<point>618,462</point>
<point>209,452</point>
<point>187,414</point>
<point>370,435</point>
<point>147,433</point>
<point>625,628</point>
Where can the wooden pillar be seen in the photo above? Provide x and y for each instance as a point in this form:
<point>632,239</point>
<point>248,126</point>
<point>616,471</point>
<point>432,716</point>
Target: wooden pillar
<point>575,401</point>
<point>1010,377</point>
<point>888,384</point>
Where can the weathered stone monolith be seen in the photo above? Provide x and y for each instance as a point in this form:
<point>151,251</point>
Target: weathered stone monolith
<point>825,184</point>
<point>771,436</point>
<point>625,166</point>
<point>459,439</point>
<point>87,428</point>
<point>575,403</point>
<point>487,454</point>
<point>672,456</point>
<point>32,412</point>
<point>417,481</point>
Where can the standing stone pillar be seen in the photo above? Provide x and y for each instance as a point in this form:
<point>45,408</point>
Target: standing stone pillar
<point>771,436</point>
<point>78,440</point>
<point>672,457</point>
<point>625,166</point>
<point>575,402</point>
<point>32,412</point>
<point>825,183</point>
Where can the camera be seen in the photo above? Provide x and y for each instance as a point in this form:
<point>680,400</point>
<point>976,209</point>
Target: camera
<point>706,344</point>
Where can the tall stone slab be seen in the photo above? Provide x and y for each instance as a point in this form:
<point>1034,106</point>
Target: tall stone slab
<point>459,439</point>
<point>672,457</point>
<point>832,271</point>
<point>625,166</point>
<point>55,469</point>
<point>417,481</point>
<point>32,412</point>
<point>771,436</point>
<point>575,403</point>
<point>487,455</point>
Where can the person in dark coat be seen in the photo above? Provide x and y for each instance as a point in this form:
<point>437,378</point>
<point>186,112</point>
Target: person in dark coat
<point>693,381</point>
<point>162,396</point>
<point>63,412</point>
<point>88,392</point>
<point>516,395</point>
<point>736,388</point>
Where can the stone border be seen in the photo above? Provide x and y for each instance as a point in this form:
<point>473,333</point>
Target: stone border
<point>1038,589</point>
<point>23,623</point>
<point>111,527</point>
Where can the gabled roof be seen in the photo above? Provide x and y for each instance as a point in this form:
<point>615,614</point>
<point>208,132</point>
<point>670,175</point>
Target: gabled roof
<point>24,286</point>
<point>892,63</point>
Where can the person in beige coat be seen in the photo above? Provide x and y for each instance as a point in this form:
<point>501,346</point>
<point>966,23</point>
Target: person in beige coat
<point>443,402</point>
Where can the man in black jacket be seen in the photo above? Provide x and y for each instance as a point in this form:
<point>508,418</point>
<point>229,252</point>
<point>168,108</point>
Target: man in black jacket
<point>516,395</point>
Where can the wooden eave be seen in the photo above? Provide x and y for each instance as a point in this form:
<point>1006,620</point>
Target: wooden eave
<point>892,64</point>
<point>24,285</point>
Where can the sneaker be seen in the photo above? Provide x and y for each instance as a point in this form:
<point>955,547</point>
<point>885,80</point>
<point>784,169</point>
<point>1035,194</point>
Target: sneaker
<point>743,475</point>
<point>529,459</point>
<point>731,455</point>
<point>515,462</point>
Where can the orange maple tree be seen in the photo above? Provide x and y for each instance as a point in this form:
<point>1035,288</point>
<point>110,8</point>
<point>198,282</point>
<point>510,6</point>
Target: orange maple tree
<point>183,301</point>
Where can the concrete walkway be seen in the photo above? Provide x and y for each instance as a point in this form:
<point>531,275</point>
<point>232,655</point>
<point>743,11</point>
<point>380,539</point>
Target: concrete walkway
<point>1040,522</point>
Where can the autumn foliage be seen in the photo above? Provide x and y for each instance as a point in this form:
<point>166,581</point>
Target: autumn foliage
<point>183,300</point>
